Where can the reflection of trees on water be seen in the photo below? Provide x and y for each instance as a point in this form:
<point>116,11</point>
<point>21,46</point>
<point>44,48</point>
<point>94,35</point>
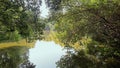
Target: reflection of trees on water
<point>75,60</point>
<point>15,57</point>
<point>80,59</point>
<point>27,64</point>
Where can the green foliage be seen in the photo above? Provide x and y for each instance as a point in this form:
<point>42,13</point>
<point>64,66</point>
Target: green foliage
<point>19,19</point>
<point>92,26</point>
<point>13,36</point>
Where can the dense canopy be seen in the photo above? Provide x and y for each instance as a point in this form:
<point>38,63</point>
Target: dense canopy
<point>20,19</point>
<point>91,27</point>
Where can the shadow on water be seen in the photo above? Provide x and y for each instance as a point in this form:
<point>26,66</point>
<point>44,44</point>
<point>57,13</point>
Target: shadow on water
<point>15,57</point>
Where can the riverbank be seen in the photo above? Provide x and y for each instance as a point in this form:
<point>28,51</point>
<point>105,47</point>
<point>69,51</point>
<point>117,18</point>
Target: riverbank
<point>18,43</point>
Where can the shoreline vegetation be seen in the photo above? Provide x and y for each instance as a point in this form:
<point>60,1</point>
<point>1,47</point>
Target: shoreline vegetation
<point>18,43</point>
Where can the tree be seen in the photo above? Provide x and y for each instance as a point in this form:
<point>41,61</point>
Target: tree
<point>91,25</point>
<point>19,18</point>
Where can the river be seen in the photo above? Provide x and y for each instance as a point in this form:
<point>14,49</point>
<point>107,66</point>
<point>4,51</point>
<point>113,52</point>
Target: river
<point>44,54</point>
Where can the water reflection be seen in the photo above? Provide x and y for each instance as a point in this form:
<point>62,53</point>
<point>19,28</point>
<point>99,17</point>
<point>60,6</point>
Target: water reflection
<point>15,57</point>
<point>51,55</point>
<point>75,60</point>
<point>45,54</point>
<point>80,59</point>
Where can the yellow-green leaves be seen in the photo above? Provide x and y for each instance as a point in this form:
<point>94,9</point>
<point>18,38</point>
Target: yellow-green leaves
<point>20,8</point>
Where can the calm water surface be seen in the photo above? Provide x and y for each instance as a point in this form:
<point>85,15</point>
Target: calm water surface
<point>45,54</point>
